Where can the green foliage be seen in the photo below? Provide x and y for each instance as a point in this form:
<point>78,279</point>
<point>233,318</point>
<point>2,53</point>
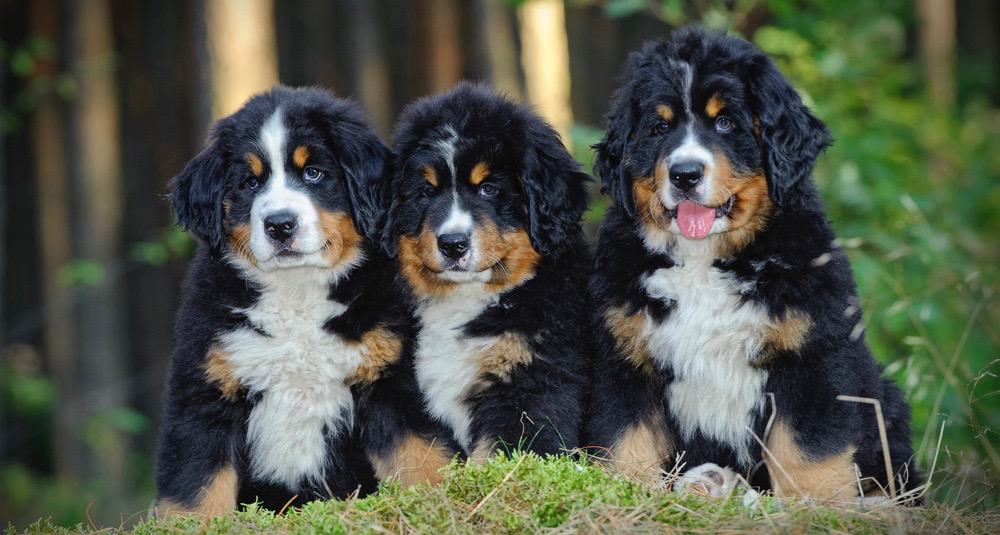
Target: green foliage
<point>527,494</point>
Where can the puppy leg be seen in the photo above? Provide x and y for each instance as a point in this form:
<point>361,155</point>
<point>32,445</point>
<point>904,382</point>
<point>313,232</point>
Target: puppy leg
<point>795,473</point>
<point>627,425</point>
<point>400,441</point>
<point>195,471</point>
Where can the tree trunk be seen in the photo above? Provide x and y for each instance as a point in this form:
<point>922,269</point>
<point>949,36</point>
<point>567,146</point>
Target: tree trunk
<point>241,44</point>
<point>96,223</point>
<point>370,71</point>
<point>545,58</point>
<point>47,134</point>
<point>937,44</point>
<point>492,49</point>
<point>435,54</point>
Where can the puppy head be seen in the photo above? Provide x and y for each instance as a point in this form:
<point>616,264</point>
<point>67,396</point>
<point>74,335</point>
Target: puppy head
<point>704,137</point>
<point>294,178</point>
<point>483,189</point>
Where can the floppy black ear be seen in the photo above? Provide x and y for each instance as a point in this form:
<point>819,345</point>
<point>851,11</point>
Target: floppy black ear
<point>612,150</point>
<point>365,162</point>
<point>196,195</point>
<point>554,186</point>
<point>791,137</point>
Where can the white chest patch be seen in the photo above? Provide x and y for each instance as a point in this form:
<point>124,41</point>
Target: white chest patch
<point>446,359</point>
<point>708,342</point>
<point>299,372</point>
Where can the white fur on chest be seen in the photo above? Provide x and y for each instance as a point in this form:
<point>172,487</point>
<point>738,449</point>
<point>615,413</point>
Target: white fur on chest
<point>446,359</point>
<point>708,341</point>
<point>299,372</point>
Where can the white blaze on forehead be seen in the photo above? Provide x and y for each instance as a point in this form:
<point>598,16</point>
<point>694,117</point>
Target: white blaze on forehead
<point>278,196</point>
<point>691,149</point>
<point>447,146</point>
<point>458,220</point>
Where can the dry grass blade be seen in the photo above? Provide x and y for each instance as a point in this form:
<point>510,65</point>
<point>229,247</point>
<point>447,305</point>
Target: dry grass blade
<point>883,437</point>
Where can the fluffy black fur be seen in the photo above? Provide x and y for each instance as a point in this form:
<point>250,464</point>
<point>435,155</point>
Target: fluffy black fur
<point>203,430</point>
<point>792,263</point>
<point>533,188</point>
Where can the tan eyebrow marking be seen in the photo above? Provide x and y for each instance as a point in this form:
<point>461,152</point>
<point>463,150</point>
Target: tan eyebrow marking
<point>300,156</point>
<point>430,176</point>
<point>714,105</point>
<point>479,173</point>
<point>256,165</point>
<point>665,112</point>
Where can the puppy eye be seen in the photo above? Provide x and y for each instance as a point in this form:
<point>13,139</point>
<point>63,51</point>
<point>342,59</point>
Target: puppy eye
<point>311,174</point>
<point>251,182</point>
<point>724,124</point>
<point>661,128</point>
<point>428,191</point>
<point>488,190</point>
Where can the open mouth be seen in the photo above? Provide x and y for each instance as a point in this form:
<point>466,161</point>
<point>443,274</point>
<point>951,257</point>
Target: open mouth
<point>695,220</point>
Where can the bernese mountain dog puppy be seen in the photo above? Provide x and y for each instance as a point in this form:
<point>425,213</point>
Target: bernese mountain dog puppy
<point>485,222</point>
<point>729,323</point>
<point>286,311</point>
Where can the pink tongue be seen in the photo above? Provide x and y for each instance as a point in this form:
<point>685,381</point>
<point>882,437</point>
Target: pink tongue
<point>694,219</point>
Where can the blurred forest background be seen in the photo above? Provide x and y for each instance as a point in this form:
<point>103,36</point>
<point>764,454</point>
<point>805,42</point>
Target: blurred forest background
<point>102,101</point>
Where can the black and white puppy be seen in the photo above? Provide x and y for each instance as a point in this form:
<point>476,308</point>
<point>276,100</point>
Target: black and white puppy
<point>486,223</point>
<point>719,283</point>
<point>285,308</point>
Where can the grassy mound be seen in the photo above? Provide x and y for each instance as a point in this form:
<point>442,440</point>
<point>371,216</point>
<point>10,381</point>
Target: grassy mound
<point>527,494</point>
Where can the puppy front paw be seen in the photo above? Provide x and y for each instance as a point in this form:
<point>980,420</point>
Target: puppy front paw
<point>708,479</point>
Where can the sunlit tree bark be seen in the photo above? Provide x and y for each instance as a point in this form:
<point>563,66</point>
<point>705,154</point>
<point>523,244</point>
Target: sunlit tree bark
<point>545,58</point>
<point>242,53</point>
<point>937,45</point>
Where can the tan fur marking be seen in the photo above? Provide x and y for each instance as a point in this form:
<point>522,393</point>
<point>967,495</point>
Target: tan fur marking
<point>256,164</point>
<point>482,451</point>
<point>751,209</point>
<point>829,478</point>
<point>413,460</point>
<point>714,105</point>
<point>430,176</point>
<point>649,208</point>
<point>627,332</point>
<point>499,360</point>
<point>381,347</point>
<point>508,254</point>
<point>220,371</point>
<point>419,266</point>
<point>342,239</point>
<point>479,173</point>
<point>216,498</point>
<point>641,452</point>
<point>300,155</point>
<point>665,112</point>
<point>239,242</point>
<point>786,333</point>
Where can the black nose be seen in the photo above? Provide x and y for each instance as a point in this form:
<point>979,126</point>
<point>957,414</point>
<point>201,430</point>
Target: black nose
<point>280,226</point>
<point>686,175</point>
<point>453,245</point>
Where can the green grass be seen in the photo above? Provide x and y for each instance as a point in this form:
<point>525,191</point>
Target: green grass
<point>528,494</point>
